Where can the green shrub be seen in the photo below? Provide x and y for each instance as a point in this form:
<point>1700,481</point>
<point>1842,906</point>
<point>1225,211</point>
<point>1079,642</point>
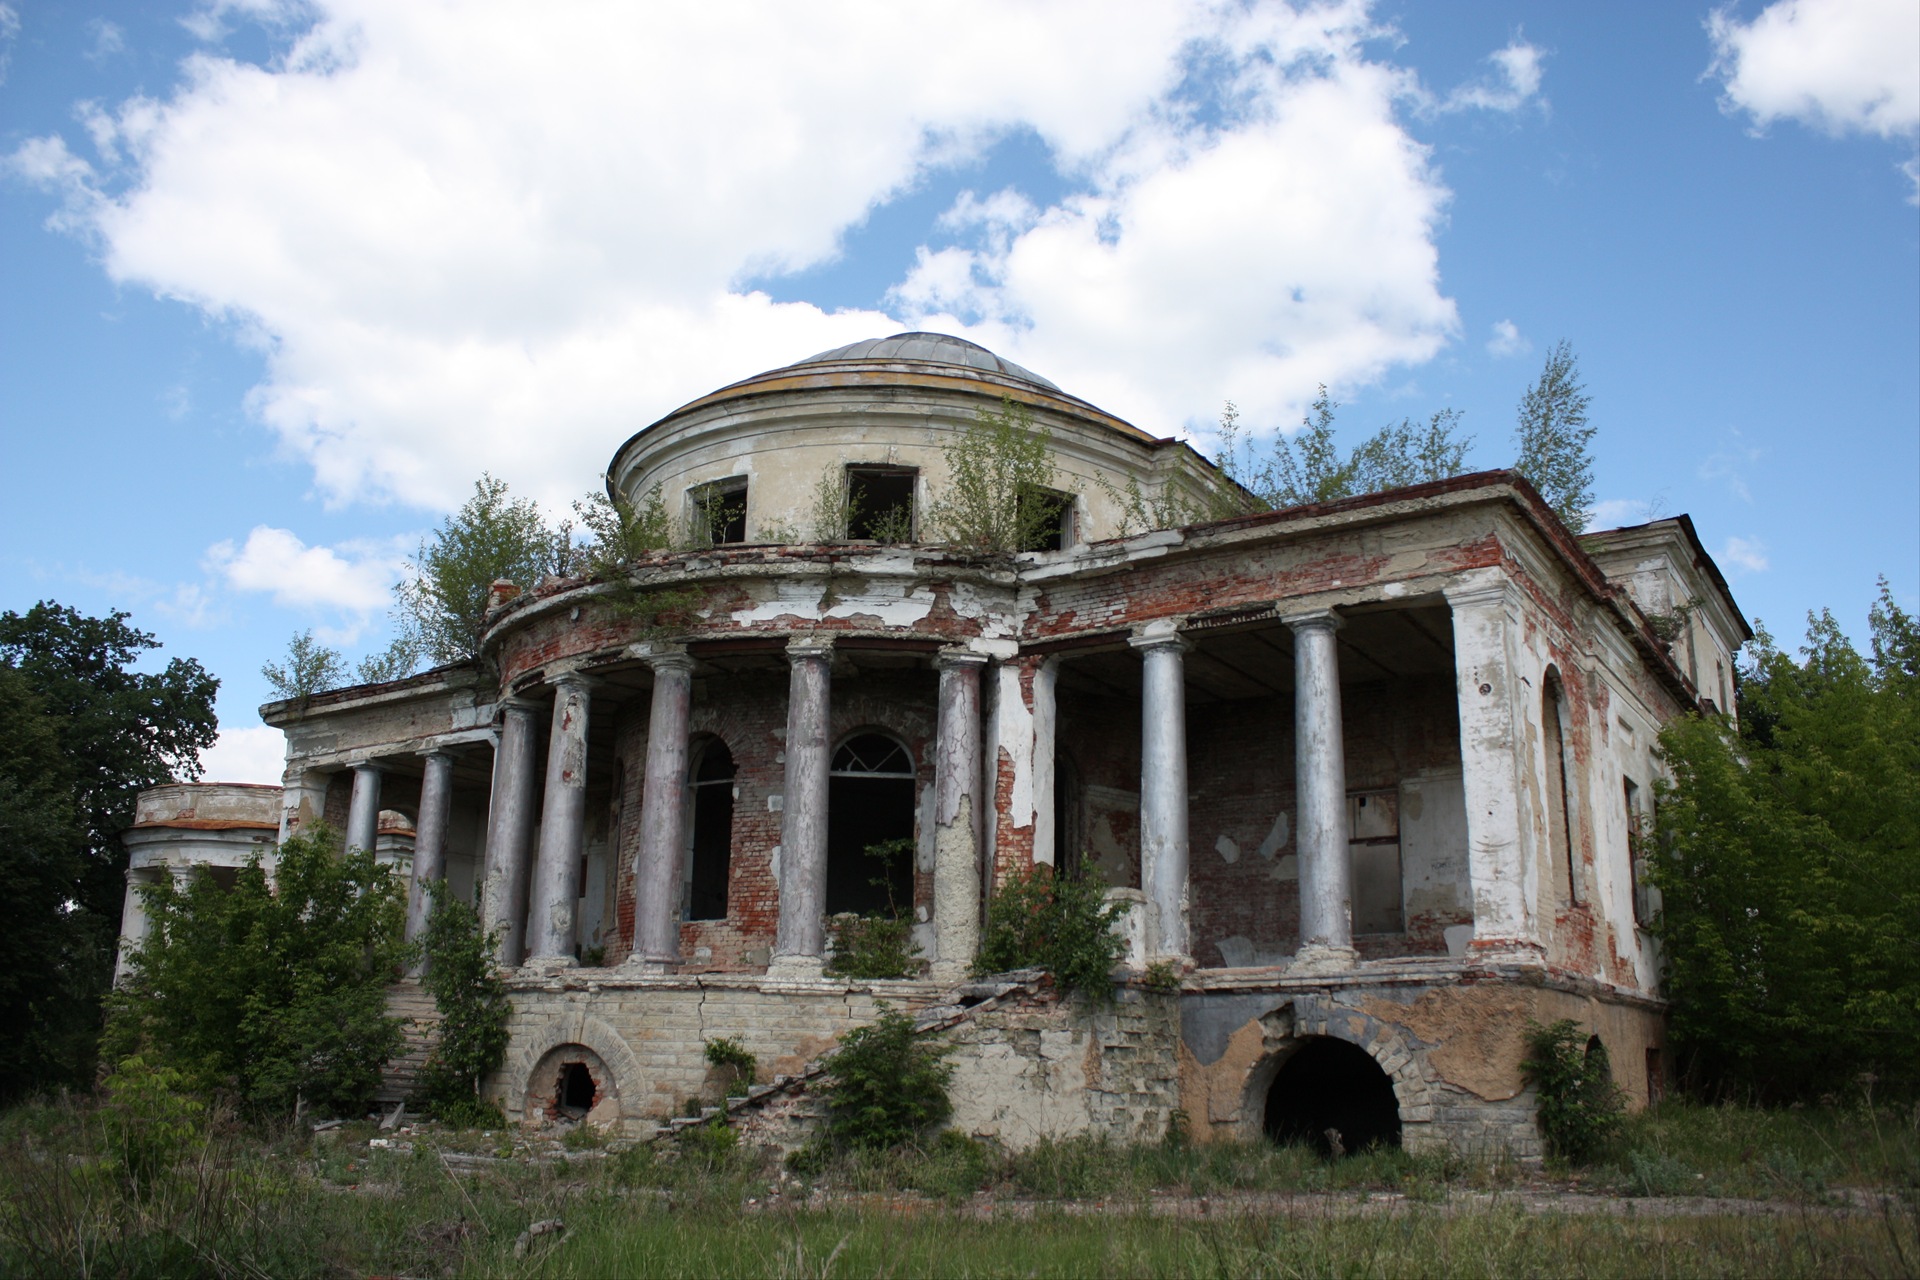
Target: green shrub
<point>1581,1110</point>
<point>1038,920</point>
<point>886,1085</point>
<point>999,471</point>
<point>472,1000</point>
<point>277,993</point>
<point>878,944</point>
<point>150,1121</point>
<point>735,1064</point>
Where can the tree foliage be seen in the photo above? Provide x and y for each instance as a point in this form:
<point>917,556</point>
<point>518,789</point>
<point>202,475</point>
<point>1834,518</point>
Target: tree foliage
<point>309,668</point>
<point>273,992</point>
<point>1311,467</point>
<point>468,991</point>
<point>1788,860</point>
<point>620,532</point>
<point>1553,438</point>
<point>443,600</point>
<point>1581,1109</point>
<point>999,495</point>
<point>1063,924</point>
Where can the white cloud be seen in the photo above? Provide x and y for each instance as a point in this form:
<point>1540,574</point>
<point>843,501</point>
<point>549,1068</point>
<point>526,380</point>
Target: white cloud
<point>1507,340</point>
<point>1843,66</point>
<point>258,754</point>
<point>1749,554</point>
<point>357,577</point>
<point>483,236</point>
<point>109,39</point>
<point>1515,81</point>
<point>9,32</point>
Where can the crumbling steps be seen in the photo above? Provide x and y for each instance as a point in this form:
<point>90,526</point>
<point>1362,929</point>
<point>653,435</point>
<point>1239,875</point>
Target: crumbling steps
<point>419,1018</point>
<point>957,1006</point>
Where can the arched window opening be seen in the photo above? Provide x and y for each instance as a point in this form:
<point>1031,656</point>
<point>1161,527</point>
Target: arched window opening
<point>1553,723</point>
<point>1333,1097</point>
<point>870,804</point>
<point>710,833</point>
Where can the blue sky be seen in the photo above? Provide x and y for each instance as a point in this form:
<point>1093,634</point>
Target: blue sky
<point>281,279</point>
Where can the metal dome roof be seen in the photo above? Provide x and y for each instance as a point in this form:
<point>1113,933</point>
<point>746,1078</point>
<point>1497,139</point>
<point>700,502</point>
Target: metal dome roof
<point>928,348</point>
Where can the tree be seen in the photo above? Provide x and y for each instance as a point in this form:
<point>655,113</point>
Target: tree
<point>472,999</point>
<point>275,992</point>
<point>620,532</point>
<point>1553,435</point>
<point>310,667</point>
<point>50,954</point>
<point>120,730</point>
<point>443,600</point>
<point>1788,860</point>
<point>999,495</point>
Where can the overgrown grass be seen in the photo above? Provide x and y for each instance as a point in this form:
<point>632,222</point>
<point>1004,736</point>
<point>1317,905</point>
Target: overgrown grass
<point>1682,1148</point>
<point>291,1203</point>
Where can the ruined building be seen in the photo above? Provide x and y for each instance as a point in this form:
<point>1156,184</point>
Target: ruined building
<point>1367,775</point>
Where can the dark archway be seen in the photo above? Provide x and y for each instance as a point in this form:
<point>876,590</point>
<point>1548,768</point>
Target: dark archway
<point>1327,1085</point>
<point>574,1092</point>
<point>870,801</point>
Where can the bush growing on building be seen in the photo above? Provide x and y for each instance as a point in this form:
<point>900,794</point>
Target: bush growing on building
<point>1787,855</point>
<point>274,993</point>
<point>1063,924</point>
<point>443,599</point>
<point>620,532</point>
<point>308,668</point>
<point>1581,1110</point>
<point>468,991</point>
<point>999,496</point>
<point>877,944</point>
<point>886,1085</point>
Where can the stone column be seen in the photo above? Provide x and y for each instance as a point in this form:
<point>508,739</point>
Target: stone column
<point>510,816</point>
<point>1320,764</point>
<point>1046,720</point>
<point>663,814</point>
<point>1163,791</point>
<point>1501,862</point>
<point>800,942</point>
<point>429,845</point>
<point>956,804</point>
<point>363,814</point>
<point>133,918</point>
<point>563,823</point>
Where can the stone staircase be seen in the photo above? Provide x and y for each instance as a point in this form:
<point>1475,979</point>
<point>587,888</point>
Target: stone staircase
<point>408,1001</point>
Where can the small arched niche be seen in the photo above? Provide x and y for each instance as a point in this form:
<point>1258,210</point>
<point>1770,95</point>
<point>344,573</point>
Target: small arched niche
<point>571,1085</point>
<point>1332,1096</point>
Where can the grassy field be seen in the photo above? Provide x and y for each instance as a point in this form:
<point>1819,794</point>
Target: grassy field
<point>87,1191</point>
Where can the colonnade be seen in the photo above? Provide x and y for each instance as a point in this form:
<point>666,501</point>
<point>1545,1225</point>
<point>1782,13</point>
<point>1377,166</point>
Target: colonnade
<point>541,931</point>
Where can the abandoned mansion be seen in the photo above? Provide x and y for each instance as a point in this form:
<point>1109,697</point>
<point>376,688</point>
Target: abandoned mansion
<point>1366,776</point>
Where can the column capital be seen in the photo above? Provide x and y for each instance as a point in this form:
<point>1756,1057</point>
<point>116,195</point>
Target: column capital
<point>809,645</point>
<point>573,677</point>
<point>680,661</point>
<point>436,753</point>
<point>1160,634</point>
<point>1479,587</point>
<point>519,703</point>
<point>1325,619</point>
<point>958,659</point>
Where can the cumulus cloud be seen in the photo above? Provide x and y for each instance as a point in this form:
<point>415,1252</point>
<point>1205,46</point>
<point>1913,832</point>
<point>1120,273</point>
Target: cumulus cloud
<point>1842,66</point>
<point>258,754</point>
<point>1507,340</point>
<point>1749,554</point>
<point>357,576</point>
<point>1514,82</point>
<point>483,239</point>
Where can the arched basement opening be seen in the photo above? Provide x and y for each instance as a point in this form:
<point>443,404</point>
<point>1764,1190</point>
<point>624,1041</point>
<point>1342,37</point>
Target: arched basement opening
<point>1330,1087</point>
<point>870,801</point>
<point>575,1091</point>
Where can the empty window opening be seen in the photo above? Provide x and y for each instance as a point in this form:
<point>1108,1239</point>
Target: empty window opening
<point>575,1092</point>
<point>1046,519</point>
<point>1333,1097</point>
<point>1559,799</point>
<point>870,806</point>
<point>717,512</point>
<point>880,503</point>
<point>710,833</point>
<point>1373,854</point>
<point>1637,866</point>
